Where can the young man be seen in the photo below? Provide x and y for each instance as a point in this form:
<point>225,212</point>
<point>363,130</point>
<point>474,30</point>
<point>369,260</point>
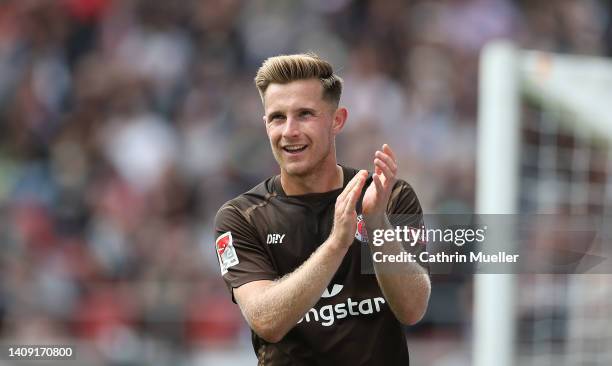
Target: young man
<point>290,248</point>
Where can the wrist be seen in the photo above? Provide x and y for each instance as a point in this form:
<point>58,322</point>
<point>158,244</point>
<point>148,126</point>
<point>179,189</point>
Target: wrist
<point>376,221</point>
<point>337,245</point>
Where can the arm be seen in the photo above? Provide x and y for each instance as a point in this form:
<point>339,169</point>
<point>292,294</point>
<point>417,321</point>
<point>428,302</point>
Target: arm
<point>273,308</point>
<point>406,286</point>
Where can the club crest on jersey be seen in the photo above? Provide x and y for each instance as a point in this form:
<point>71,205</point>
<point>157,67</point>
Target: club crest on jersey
<point>360,233</point>
<point>226,252</point>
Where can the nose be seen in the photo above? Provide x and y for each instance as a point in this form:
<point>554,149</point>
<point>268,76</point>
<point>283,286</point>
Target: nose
<point>292,128</point>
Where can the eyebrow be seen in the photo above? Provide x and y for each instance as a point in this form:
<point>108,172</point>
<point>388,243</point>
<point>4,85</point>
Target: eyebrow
<point>298,110</point>
<point>306,109</point>
<point>274,113</point>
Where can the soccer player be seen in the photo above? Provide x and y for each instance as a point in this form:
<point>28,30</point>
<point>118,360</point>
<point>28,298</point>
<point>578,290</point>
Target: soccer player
<point>290,248</point>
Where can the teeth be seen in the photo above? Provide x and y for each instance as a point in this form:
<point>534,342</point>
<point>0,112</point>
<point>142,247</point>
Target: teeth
<point>294,147</point>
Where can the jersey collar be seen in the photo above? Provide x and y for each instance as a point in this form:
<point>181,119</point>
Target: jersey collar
<point>348,174</point>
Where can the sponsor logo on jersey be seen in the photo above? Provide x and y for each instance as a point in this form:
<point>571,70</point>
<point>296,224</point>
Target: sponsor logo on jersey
<point>360,233</point>
<point>275,238</point>
<point>226,252</point>
<point>328,314</point>
<point>335,290</point>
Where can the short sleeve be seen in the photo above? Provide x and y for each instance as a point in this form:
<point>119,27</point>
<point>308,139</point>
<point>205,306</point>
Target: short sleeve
<point>404,209</point>
<point>240,253</point>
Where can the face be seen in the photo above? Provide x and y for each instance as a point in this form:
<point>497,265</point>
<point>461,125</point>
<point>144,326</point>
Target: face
<point>301,126</point>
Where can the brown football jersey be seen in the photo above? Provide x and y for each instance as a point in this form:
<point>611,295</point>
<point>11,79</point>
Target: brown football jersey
<point>264,234</point>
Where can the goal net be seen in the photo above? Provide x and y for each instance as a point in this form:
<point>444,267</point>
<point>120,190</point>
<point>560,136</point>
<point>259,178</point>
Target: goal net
<point>545,148</point>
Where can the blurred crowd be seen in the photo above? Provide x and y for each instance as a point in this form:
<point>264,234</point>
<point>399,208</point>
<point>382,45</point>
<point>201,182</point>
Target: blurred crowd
<point>126,124</point>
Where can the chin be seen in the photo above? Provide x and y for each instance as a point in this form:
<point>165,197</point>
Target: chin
<point>298,169</point>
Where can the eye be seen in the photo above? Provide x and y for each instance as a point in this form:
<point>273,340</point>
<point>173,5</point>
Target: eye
<point>275,117</point>
<point>306,113</point>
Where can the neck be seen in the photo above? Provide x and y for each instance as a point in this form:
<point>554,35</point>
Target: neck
<point>324,179</point>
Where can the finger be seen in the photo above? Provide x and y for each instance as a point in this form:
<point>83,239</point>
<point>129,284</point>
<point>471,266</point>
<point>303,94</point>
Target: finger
<point>377,183</point>
<point>359,178</point>
<point>355,193</point>
<point>348,188</point>
<point>350,185</point>
<point>387,159</point>
<point>387,149</point>
<point>362,175</point>
<point>389,175</point>
<point>347,203</point>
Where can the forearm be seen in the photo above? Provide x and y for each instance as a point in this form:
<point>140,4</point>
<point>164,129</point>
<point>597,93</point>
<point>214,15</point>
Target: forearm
<point>278,308</point>
<point>272,308</point>
<point>406,286</point>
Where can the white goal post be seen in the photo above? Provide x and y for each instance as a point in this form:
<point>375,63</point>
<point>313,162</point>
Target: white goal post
<point>579,89</point>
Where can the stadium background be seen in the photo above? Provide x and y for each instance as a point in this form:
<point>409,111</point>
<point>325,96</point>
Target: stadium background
<point>124,125</point>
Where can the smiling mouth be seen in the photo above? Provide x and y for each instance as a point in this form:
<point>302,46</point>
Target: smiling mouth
<point>294,149</point>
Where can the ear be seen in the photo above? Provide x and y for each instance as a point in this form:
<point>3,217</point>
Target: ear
<point>340,117</point>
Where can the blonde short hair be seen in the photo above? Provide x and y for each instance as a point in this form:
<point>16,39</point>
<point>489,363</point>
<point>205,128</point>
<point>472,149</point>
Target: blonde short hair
<point>287,68</point>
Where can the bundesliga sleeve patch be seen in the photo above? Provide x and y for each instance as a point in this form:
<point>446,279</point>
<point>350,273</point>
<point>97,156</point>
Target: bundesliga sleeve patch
<point>360,233</point>
<point>226,252</point>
